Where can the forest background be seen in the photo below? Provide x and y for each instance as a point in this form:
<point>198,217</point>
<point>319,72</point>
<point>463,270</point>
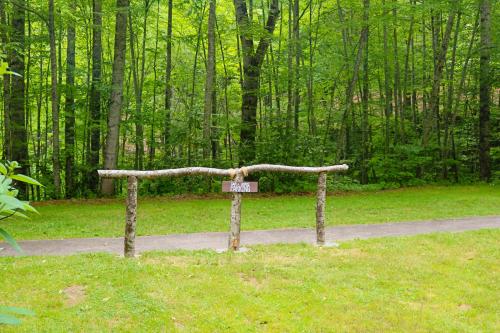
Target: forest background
<point>404,91</point>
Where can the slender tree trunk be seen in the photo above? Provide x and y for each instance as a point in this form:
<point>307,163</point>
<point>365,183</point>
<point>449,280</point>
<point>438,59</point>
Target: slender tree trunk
<point>387,87</point>
<point>290,79</point>
<point>343,134</point>
<point>485,91</point>
<point>189,111</point>
<point>365,98</point>
<point>228,139</point>
<point>298,51</point>
<point>439,60</point>
<point>138,85</point>
<point>152,139</point>
<point>406,96</point>
<point>95,97</point>
<point>120,48</point>
<point>16,107</point>
<point>399,121</point>
<point>210,93</point>
<point>69,118</point>
<point>7,139</point>
<point>168,83</point>
<point>449,99</point>
<point>56,168</point>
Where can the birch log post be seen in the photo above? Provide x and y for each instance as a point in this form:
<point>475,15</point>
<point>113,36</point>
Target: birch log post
<point>234,234</point>
<point>320,209</point>
<point>131,216</point>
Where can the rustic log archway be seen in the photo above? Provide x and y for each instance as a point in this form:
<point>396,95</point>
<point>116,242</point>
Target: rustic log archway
<point>237,175</point>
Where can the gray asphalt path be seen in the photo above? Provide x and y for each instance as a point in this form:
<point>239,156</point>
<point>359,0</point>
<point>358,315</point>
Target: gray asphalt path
<point>218,240</point>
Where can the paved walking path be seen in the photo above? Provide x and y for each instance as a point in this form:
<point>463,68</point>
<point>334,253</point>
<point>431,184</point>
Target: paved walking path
<point>218,240</point>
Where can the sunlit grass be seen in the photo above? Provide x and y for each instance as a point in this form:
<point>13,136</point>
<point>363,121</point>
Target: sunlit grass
<point>432,283</point>
<point>165,215</point>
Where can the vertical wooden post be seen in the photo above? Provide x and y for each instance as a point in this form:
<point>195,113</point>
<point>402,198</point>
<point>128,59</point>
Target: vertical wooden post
<point>320,209</point>
<point>131,217</point>
<point>234,235</point>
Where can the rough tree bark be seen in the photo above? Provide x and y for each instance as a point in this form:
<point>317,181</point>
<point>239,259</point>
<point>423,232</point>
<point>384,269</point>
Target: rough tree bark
<point>131,216</point>
<point>234,234</point>
<point>7,141</point>
<point>69,118</point>
<point>95,98</point>
<point>138,64</point>
<point>298,51</point>
<point>56,167</point>
<point>111,150</point>
<point>16,107</point>
<point>364,104</point>
<point>252,63</point>
<point>320,209</point>
<point>210,96</point>
<point>387,88</point>
<point>342,141</point>
<point>168,83</point>
<point>485,91</point>
<point>439,61</point>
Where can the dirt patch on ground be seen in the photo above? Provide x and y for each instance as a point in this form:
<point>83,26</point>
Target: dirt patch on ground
<point>74,295</point>
<point>464,307</point>
<point>250,280</point>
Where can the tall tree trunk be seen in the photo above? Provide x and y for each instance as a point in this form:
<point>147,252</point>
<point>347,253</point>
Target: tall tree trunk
<point>399,121</point>
<point>139,84</point>
<point>485,91</point>
<point>95,97</point>
<point>365,98</point>
<point>168,83</point>
<point>439,60</point>
<point>7,139</point>
<point>69,119</point>
<point>290,47</point>
<point>343,133</point>
<point>56,168</point>
<point>120,48</point>
<point>387,87</point>
<point>152,139</point>
<point>252,63</point>
<point>210,93</point>
<point>298,52</point>
<point>449,99</point>
<point>19,143</point>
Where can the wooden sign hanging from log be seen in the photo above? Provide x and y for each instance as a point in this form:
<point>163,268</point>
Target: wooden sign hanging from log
<point>240,187</point>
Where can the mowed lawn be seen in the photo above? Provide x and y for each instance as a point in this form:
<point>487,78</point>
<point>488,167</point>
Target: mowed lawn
<point>432,283</point>
<point>164,215</point>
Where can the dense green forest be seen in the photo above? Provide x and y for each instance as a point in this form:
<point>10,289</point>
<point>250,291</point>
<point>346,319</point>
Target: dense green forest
<point>404,91</point>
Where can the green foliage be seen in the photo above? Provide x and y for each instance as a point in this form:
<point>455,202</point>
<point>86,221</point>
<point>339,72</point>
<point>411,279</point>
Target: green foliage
<point>11,206</point>
<point>328,33</point>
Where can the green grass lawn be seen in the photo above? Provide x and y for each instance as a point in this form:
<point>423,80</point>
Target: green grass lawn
<point>163,215</point>
<point>431,283</point>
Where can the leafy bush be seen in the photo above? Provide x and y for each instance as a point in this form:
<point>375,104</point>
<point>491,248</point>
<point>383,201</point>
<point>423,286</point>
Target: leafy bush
<point>10,206</point>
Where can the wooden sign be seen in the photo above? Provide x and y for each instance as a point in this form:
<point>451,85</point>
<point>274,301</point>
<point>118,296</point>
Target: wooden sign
<point>240,187</point>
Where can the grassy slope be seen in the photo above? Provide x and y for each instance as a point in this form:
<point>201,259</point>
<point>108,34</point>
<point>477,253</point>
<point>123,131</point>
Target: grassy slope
<point>167,215</point>
<point>432,283</point>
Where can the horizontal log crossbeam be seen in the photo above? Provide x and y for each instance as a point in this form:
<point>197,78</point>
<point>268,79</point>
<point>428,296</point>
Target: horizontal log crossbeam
<point>191,171</point>
<point>235,174</point>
